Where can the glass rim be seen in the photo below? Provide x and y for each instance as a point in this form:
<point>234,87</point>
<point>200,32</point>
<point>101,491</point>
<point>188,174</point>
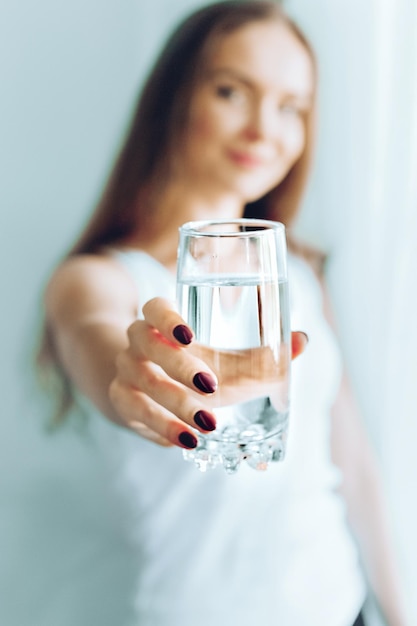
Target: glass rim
<point>196,227</point>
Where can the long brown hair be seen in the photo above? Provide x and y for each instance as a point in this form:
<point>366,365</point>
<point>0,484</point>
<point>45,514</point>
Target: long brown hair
<point>159,119</point>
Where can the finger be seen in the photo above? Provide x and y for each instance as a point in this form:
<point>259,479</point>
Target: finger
<point>299,341</point>
<point>119,396</point>
<point>149,419</point>
<point>146,433</point>
<point>150,379</point>
<point>244,375</point>
<point>148,344</point>
<point>163,315</point>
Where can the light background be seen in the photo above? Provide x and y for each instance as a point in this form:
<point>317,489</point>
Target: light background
<point>68,75</point>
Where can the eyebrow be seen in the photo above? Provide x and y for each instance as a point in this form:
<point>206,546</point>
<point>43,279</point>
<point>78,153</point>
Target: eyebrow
<point>230,73</point>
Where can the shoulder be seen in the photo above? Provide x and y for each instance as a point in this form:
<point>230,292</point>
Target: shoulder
<point>315,259</point>
<point>88,282</point>
<point>311,255</point>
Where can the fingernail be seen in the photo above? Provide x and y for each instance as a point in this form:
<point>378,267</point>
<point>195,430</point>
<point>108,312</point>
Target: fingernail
<point>204,420</point>
<point>187,439</point>
<point>182,334</point>
<point>305,335</point>
<point>205,382</point>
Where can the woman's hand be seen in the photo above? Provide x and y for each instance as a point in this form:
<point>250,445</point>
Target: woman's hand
<point>163,387</point>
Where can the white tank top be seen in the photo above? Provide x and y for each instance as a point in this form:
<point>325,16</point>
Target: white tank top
<point>253,548</point>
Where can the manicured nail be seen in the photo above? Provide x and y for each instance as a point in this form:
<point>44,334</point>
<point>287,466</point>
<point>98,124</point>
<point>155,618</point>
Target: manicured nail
<point>204,420</point>
<point>183,334</point>
<point>305,335</point>
<point>205,382</point>
<point>187,439</point>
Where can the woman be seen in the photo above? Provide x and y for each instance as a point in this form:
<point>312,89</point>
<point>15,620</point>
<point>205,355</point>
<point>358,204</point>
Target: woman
<point>223,129</point>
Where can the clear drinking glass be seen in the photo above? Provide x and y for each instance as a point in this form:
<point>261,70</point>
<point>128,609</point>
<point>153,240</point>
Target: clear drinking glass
<point>233,292</point>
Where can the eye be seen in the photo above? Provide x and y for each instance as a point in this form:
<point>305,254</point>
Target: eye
<point>292,109</point>
<point>230,92</point>
<point>288,109</point>
<point>225,91</point>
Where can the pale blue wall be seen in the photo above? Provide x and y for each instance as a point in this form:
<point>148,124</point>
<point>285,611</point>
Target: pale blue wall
<point>67,79</point>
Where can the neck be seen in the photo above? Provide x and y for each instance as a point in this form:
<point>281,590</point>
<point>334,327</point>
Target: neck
<point>157,230</point>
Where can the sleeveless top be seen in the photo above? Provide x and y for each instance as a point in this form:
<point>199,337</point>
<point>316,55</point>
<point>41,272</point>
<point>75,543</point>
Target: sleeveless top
<point>148,540</point>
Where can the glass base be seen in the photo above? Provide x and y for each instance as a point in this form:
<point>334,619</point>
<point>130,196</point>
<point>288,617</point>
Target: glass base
<point>259,454</point>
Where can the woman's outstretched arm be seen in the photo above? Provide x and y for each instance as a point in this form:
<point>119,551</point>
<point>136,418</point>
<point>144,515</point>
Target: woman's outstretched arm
<point>91,303</point>
<point>145,375</point>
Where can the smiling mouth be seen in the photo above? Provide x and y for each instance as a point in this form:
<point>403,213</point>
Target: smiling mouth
<point>245,159</point>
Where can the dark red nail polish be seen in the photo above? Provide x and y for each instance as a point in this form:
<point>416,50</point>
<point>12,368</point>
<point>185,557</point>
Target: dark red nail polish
<point>187,439</point>
<point>204,420</point>
<point>205,382</point>
<point>183,334</point>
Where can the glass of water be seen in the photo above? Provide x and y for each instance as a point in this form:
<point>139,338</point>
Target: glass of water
<point>233,292</point>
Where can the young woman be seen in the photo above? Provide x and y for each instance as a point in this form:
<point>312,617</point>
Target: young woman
<point>223,129</point>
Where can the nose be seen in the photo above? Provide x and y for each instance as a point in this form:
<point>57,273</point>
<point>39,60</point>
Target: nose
<point>262,123</point>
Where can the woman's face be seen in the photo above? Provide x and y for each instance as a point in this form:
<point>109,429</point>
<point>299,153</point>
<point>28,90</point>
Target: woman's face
<point>247,116</point>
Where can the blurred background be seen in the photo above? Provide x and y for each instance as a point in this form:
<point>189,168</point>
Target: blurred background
<point>69,73</point>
